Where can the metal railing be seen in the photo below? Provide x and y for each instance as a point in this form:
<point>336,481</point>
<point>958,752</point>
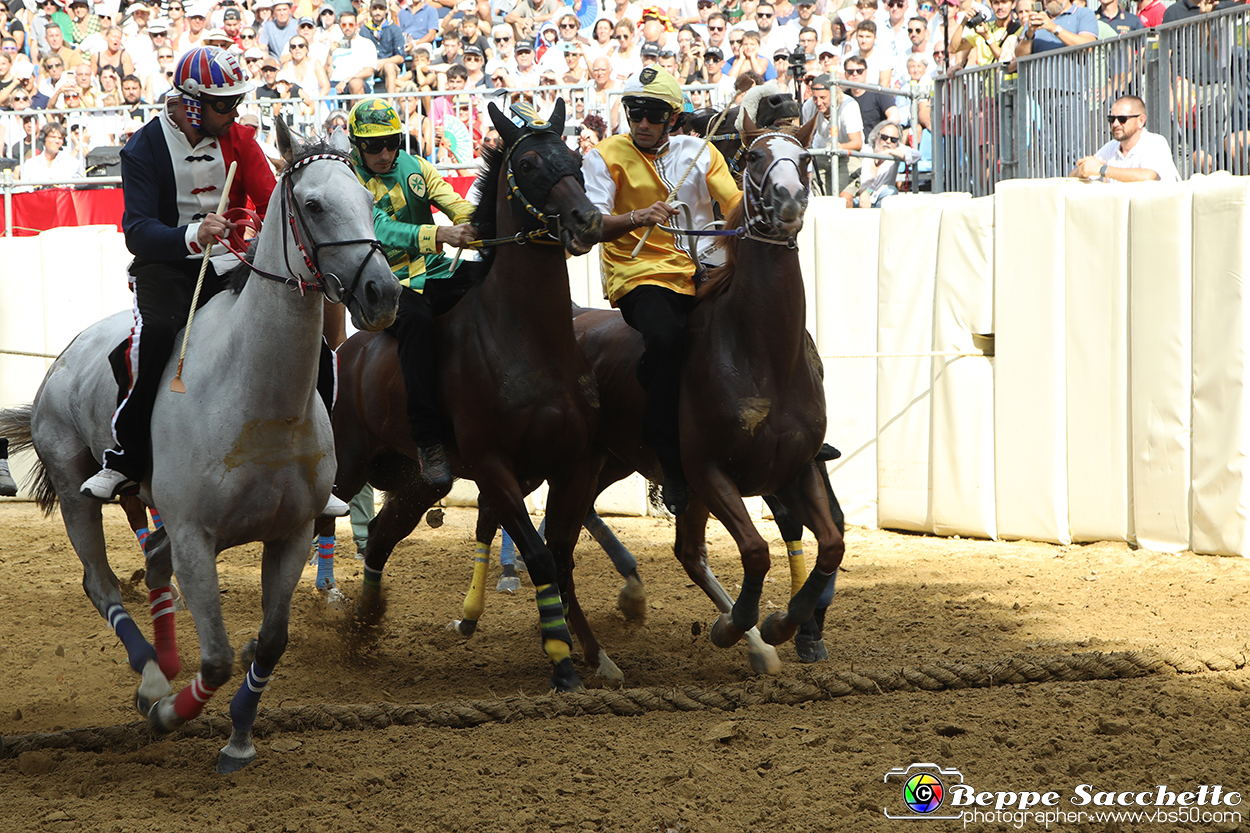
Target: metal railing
<point>1193,75</point>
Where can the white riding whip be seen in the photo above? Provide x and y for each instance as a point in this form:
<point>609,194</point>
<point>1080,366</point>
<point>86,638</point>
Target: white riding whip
<point>176,385</point>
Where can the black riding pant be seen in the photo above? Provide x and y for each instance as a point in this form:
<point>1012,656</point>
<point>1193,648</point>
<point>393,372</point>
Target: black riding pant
<point>414,329</point>
<point>162,299</point>
<point>659,314</point>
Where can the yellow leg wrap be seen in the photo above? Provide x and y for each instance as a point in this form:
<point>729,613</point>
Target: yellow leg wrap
<point>556,649</point>
<point>475,602</point>
<point>798,566</point>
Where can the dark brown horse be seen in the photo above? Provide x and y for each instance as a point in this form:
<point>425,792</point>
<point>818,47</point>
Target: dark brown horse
<point>519,394</point>
<point>752,411</point>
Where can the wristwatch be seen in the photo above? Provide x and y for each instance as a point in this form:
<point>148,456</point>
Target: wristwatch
<point>1102,172</point>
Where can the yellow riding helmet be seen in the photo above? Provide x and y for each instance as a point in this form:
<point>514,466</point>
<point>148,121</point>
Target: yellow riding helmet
<point>373,117</point>
<point>654,83</point>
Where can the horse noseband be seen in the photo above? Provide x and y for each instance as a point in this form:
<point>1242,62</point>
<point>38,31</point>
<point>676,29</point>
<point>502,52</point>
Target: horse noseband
<point>557,169</point>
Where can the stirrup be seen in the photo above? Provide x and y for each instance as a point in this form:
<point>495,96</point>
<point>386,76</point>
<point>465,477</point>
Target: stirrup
<point>107,484</point>
<point>676,493</point>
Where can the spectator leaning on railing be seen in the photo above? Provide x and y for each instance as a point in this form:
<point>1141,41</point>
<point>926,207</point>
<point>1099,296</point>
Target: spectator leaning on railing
<point>1134,154</point>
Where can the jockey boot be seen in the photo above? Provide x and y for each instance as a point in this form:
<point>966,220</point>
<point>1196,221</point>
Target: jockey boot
<point>8,487</point>
<point>107,484</point>
<point>676,492</point>
<point>434,466</point>
<point>335,508</point>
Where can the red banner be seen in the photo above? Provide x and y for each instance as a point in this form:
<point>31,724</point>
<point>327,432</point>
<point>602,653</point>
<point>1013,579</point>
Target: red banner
<point>54,207</point>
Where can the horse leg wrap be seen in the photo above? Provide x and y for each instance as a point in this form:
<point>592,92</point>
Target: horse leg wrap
<point>746,610</point>
<point>161,601</point>
<point>190,701</point>
<point>142,534</point>
<point>138,649</point>
<point>325,562</point>
<point>475,601</point>
<point>372,581</point>
<point>557,641</point>
<point>245,701</point>
<point>798,567</point>
<point>826,598</point>
<point>157,523</point>
<point>622,559</point>
<point>507,550</point>
<point>804,602</point>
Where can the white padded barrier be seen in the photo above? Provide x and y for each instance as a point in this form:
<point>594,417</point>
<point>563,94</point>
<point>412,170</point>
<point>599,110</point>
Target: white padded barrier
<point>905,278</point>
<point>1096,237</point>
<point>846,326</point>
<point>22,318</point>
<point>1221,395</point>
<point>1161,362</point>
<point>963,387</point>
<point>1030,405</point>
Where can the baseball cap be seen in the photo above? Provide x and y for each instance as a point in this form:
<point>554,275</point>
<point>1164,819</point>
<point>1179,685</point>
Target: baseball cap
<point>826,49</point>
<point>270,62</point>
<point>217,35</point>
<point>194,10</point>
<point>822,82</point>
<point>713,52</point>
<point>472,49</point>
<point>650,50</point>
<point>228,14</point>
<point>377,4</point>
<point>157,26</point>
<point>524,46</point>
<point>306,21</point>
<point>781,51</point>
<point>253,52</point>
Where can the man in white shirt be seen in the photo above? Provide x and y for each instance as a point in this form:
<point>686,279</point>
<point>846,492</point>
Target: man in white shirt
<point>1134,154</point>
<point>353,61</point>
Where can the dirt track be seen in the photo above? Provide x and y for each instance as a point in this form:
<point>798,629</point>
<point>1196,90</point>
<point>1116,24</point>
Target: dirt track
<point>903,601</point>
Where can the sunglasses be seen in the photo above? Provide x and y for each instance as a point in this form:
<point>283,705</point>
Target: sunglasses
<point>889,140</point>
<point>298,45</point>
<point>1122,119</point>
<point>380,144</point>
<point>850,71</point>
<point>925,7</point>
<point>653,114</point>
<point>307,26</point>
<point>568,25</point>
<point>716,28</point>
<point>737,42</point>
<point>623,37</point>
<point>55,65</point>
<point>222,104</point>
<point>503,39</point>
<point>759,16</point>
<point>474,58</point>
<point>20,98</point>
<point>896,4</point>
<point>915,31</point>
<point>253,60</point>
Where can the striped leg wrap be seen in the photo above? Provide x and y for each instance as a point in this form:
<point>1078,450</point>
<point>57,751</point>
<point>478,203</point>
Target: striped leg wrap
<point>157,523</point>
<point>244,703</point>
<point>475,602</point>
<point>161,601</point>
<point>142,535</point>
<point>798,567</point>
<point>138,650</point>
<point>325,562</point>
<point>507,549</point>
<point>373,579</point>
<point>557,641</point>
<point>190,701</point>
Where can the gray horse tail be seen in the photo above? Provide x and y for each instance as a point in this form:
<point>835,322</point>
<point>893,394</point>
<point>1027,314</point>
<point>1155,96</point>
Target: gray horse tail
<point>15,425</point>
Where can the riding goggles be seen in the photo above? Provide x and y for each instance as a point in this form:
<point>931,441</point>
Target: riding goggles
<point>654,113</point>
<point>222,104</point>
<point>380,143</point>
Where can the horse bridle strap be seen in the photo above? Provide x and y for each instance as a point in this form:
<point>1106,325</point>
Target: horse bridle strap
<point>329,284</point>
<point>750,193</point>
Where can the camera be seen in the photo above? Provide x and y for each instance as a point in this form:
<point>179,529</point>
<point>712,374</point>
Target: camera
<point>798,62</point>
<point>976,20</point>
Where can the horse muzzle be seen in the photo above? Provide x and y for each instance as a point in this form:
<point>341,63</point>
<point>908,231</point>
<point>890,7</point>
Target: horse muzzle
<point>375,302</point>
<point>580,230</point>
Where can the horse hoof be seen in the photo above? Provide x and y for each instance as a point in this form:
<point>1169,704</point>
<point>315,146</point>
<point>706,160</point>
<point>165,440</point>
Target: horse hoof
<point>608,670</point>
<point>464,627</point>
<point>724,633</point>
<point>157,719</point>
<point>564,678</point>
<point>777,629</point>
<point>227,764</point>
<point>508,584</point>
<point>334,599</point>
<point>152,689</point>
<point>811,650</point>
<point>632,600</point>
<point>764,660</point>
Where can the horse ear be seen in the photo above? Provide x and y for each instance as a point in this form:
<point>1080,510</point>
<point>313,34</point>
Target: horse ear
<point>339,140</point>
<point>288,145</point>
<point>557,117</point>
<point>748,125</point>
<point>507,130</point>
<point>805,132</point>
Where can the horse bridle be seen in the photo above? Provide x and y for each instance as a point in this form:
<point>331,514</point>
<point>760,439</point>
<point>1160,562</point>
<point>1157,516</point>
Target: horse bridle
<point>329,284</point>
<point>751,191</point>
<point>549,224</point>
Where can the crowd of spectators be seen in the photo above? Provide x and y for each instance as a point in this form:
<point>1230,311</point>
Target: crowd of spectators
<point>85,75</point>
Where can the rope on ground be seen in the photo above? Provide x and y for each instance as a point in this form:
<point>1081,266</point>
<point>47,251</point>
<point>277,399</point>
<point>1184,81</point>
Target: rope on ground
<point>809,687</point>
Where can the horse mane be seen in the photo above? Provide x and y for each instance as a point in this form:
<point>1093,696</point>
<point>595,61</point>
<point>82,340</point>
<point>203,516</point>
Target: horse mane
<point>237,277</point>
<point>721,276</point>
<point>487,184</point>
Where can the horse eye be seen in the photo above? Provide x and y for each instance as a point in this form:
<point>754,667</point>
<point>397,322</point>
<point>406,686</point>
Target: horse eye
<point>754,156</point>
<point>314,206</point>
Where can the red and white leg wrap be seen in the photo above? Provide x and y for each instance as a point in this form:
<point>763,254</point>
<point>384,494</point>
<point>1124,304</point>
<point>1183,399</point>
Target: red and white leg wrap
<point>190,701</point>
<point>162,602</point>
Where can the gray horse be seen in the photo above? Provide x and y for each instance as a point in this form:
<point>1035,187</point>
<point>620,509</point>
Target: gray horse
<point>246,454</point>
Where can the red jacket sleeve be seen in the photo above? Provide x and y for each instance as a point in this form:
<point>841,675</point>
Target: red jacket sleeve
<point>254,178</point>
